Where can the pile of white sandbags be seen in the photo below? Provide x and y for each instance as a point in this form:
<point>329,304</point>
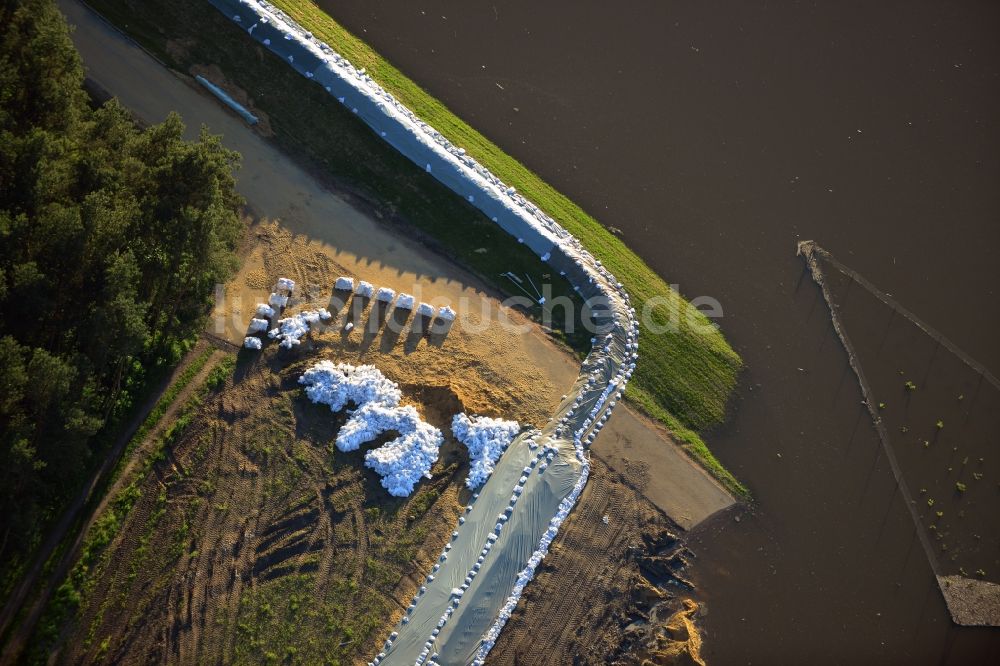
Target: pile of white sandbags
<point>401,462</point>
<point>337,384</point>
<point>290,330</point>
<point>404,302</point>
<point>371,420</point>
<point>486,439</point>
<point>278,300</point>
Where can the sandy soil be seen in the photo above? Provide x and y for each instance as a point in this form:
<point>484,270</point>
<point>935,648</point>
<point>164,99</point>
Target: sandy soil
<point>482,361</point>
<point>633,446</point>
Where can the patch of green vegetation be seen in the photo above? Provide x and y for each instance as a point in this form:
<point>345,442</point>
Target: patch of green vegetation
<point>163,404</point>
<point>423,501</point>
<point>688,371</point>
<point>220,373</point>
<point>288,620</point>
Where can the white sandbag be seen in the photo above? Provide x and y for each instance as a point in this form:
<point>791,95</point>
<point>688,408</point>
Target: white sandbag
<point>385,295</point>
<point>425,310</point>
<point>278,300</point>
<point>264,311</point>
<point>290,330</point>
<point>486,439</point>
<point>404,302</point>
<point>364,289</point>
<point>251,342</point>
<point>446,314</point>
<point>258,325</point>
<point>286,283</point>
<point>344,283</point>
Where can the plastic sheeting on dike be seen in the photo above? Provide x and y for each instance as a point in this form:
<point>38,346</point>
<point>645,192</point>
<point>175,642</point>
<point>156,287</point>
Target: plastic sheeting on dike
<point>392,121</point>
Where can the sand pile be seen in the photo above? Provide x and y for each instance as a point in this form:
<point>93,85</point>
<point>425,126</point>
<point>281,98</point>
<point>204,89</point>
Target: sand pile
<point>403,461</point>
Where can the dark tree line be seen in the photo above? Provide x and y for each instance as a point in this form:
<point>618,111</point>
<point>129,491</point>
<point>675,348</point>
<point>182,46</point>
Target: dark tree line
<point>111,241</point>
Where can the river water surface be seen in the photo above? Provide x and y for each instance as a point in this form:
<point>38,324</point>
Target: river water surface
<point>715,135</point>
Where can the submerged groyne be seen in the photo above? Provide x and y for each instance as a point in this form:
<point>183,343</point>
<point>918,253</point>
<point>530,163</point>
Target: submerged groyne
<point>506,530</point>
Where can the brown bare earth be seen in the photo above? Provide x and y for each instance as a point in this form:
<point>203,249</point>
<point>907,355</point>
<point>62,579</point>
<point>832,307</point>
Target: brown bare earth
<point>253,537</point>
<point>600,582</point>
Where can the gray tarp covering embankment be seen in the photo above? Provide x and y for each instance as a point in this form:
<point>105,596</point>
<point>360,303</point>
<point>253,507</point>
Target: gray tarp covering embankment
<point>507,529</point>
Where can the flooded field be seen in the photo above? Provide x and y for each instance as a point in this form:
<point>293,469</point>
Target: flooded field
<point>714,136</point>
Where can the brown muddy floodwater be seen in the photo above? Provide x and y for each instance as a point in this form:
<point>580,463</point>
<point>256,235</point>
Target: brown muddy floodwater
<point>715,135</point>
